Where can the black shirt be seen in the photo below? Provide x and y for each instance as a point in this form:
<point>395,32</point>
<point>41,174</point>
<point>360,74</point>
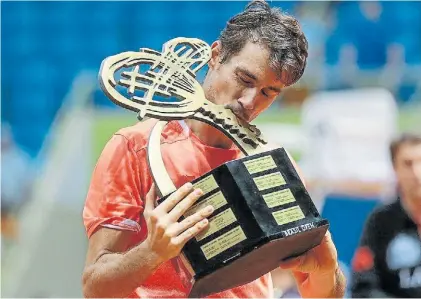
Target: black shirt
<point>388,261</point>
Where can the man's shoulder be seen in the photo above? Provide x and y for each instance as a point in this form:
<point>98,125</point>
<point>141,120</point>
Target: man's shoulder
<point>386,212</point>
<point>138,134</point>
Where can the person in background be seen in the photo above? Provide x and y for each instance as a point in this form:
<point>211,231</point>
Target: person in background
<point>388,260</point>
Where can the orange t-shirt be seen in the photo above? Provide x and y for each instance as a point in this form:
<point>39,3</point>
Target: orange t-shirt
<point>121,180</point>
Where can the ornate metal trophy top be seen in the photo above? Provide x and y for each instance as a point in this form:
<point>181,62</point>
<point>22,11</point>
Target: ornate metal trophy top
<point>163,86</point>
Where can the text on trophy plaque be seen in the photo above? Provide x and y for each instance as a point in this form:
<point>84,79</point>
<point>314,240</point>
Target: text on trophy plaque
<point>207,184</point>
<point>278,198</point>
<point>260,164</point>
<point>223,242</point>
<point>270,180</point>
<point>216,200</point>
<point>217,222</point>
<point>288,215</point>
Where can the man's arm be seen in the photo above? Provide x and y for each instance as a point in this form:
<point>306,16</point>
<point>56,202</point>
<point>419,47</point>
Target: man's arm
<point>113,270</point>
<point>365,277</point>
<point>115,267</point>
<point>317,272</point>
<point>110,270</point>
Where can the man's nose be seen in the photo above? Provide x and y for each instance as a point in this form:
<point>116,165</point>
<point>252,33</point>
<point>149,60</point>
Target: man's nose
<point>417,171</point>
<point>248,99</point>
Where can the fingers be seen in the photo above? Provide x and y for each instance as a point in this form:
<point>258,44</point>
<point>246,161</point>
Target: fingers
<point>191,232</point>
<point>320,259</point>
<point>166,235</point>
<point>175,198</point>
<point>328,235</point>
<point>184,205</point>
<point>178,228</point>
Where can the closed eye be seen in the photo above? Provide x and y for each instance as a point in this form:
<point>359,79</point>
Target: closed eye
<point>245,81</point>
<point>265,94</point>
<point>270,93</point>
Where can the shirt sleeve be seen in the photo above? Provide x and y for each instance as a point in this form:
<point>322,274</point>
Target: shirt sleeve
<point>366,280</point>
<point>113,198</point>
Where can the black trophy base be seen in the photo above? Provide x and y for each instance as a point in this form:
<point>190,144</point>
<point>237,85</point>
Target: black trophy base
<point>256,263</point>
<point>263,215</point>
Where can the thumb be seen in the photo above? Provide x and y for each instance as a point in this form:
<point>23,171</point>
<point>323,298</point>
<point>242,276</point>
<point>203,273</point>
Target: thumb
<point>150,199</point>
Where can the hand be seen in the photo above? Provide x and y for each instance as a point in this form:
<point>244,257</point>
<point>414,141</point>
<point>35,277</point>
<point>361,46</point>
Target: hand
<point>317,272</point>
<point>167,236</point>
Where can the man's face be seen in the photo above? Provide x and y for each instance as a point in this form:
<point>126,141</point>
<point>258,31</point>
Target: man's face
<point>408,172</point>
<point>245,82</point>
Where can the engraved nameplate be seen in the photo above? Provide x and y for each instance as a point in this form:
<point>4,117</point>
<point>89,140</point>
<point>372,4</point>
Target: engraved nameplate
<point>288,215</point>
<point>278,198</point>
<point>207,184</point>
<point>269,181</point>
<point>218,222</point>
<point>223,242</point>
<point>216,200</point>
<point>260,164</point>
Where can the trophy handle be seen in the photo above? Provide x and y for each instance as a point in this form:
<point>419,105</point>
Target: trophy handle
<point>160,176</point>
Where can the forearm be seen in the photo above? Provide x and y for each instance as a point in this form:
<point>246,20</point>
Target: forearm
<point>118,275</point>
<point>339,285</point>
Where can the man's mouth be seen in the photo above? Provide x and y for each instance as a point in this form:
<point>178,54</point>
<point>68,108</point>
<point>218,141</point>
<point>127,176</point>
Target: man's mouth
<point>242,117</point>
<point>238,113</point>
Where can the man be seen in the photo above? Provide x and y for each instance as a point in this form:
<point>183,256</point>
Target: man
<point>388,261</point>
<point>131,242</point>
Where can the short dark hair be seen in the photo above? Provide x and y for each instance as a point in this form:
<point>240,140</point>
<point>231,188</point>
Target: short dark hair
<point>279,32</point>
<point>405,138</point>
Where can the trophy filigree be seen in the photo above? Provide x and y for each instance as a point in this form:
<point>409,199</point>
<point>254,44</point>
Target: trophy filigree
<point>170,91</point>
<point>160,85</point>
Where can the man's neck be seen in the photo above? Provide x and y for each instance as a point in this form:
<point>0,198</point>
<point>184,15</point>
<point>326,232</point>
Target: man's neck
<point>208,134</point>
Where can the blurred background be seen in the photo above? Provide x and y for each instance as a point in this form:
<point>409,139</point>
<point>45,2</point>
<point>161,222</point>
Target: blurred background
<point>362,87</point>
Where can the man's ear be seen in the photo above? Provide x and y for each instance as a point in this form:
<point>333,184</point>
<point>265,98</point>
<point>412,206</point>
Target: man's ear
<point>215,54</point>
